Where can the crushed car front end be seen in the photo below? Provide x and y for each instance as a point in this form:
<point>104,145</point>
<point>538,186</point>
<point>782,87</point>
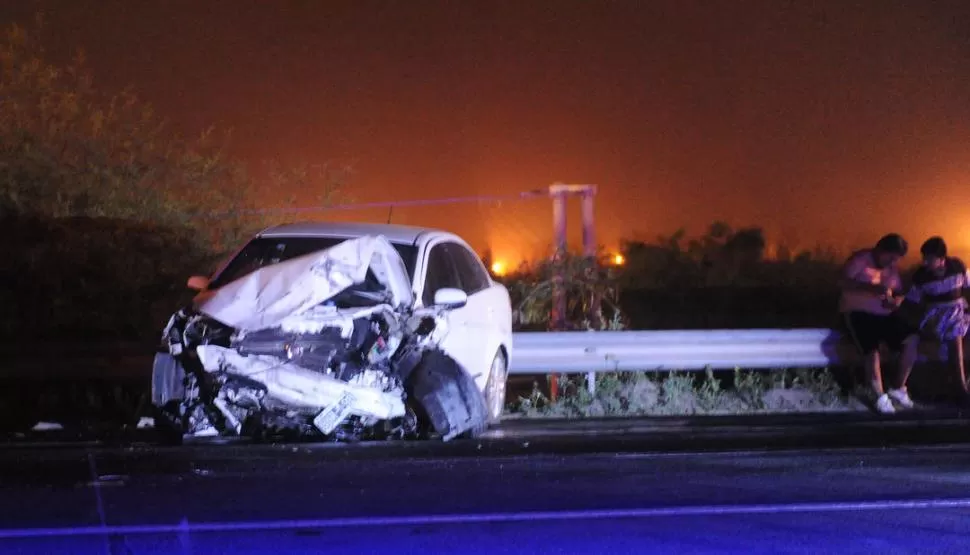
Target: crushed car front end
<point>324,345</point>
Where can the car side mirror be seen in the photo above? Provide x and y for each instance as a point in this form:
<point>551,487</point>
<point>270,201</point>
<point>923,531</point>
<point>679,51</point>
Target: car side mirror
<point>198,283</point>
<point>450,297</point>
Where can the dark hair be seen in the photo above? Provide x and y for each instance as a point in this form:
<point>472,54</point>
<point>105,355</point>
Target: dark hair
<point>934,246</point>
<point>892,243</point>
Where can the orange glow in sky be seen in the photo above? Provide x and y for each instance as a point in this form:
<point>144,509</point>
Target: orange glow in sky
<point>827,123</point>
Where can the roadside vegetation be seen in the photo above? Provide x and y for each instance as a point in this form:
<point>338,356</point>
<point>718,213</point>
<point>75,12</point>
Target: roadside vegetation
<point>690,393</point>
<point>593,302</point>
<point>106,208</point>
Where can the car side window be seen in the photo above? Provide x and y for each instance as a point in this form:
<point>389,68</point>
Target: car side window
<point>440,274</point>
<point>471,272</point>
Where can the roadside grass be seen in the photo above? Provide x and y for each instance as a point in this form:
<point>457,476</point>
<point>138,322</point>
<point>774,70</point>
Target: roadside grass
<point>690,393</point>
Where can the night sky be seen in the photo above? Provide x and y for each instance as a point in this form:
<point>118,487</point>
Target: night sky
<point>824,122</point>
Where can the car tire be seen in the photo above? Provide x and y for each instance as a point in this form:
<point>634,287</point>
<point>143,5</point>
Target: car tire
<point>495,388</point>
<point>450,400</point>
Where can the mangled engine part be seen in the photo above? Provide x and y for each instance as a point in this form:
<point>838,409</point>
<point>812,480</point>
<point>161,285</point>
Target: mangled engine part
<point>316,351</point>
<point>372,396</point>
<point>328,350</point>
<point>187,328</point>
<point>347,347</point>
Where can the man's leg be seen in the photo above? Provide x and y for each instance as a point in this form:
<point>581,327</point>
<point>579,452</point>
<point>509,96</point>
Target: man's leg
<point>955,357</point>
<point>873,371</point>
<point>904,339</point>
<point>883,399</point>
<point>908,353</point>
<point>956,329</point>
<point>866,331</point>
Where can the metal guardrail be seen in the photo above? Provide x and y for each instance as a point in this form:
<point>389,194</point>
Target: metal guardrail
<point>646,351</point>
<point>659,351</point>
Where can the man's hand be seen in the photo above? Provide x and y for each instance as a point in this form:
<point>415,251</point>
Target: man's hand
<point>865,287</point>
<point>892,303</point>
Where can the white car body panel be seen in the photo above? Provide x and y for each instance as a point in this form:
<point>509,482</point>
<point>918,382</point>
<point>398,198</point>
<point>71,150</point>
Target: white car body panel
<point>462,342</point>
<point>489,329</point>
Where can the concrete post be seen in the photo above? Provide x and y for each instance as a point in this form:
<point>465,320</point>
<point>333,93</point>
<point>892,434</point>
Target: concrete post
<point>589,229</point>
<point>557,318</point>
<point>589,249</point>
<point>560,193</point>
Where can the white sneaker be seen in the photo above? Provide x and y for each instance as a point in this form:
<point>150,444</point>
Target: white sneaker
<point>901,396</point>
<point>884,404</point>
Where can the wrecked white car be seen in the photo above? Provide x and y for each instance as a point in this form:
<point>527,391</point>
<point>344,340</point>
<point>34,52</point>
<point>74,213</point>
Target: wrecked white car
<point>326,345</point>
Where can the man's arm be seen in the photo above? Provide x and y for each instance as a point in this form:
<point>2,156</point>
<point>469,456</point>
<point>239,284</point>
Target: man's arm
<point>913,298</point>
<point>914,295</point>
<point>849,282</point>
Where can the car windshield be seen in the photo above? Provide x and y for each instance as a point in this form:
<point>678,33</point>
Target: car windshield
<point>266,251</point>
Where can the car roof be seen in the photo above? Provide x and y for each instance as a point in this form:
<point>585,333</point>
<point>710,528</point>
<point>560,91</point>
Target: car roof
<point>392,232</point>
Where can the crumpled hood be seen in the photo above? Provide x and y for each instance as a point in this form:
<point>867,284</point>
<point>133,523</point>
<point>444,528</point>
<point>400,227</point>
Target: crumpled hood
<point>265,297</point>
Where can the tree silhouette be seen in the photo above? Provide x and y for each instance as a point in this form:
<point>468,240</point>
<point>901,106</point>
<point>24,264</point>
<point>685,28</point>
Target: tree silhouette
<point>106,211</point>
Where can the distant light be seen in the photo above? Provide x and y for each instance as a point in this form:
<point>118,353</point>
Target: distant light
<point>618,260</point>
<point>499,268</point>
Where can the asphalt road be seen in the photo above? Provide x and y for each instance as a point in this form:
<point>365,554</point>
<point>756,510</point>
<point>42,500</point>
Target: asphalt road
<point>486,497</point>
<point>655,433</point>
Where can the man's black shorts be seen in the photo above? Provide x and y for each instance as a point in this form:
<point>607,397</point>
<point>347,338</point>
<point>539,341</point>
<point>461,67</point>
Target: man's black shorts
<point>868,330</point>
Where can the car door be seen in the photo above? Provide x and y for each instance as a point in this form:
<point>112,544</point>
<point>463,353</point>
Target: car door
<point>460,342</point>
<point>483,308</point>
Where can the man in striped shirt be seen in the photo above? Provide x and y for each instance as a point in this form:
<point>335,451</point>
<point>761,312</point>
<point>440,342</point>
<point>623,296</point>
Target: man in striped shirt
<point>871,294</point>
<point>939,286</point>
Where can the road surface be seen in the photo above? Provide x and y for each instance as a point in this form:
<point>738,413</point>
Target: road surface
<point>486,497</point>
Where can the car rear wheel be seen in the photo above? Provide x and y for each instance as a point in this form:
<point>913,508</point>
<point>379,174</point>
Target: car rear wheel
<point>495,388</point>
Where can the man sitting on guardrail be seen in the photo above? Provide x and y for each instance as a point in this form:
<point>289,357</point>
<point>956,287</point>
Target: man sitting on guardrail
<point>938,287</point>
<point>871,294</point>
